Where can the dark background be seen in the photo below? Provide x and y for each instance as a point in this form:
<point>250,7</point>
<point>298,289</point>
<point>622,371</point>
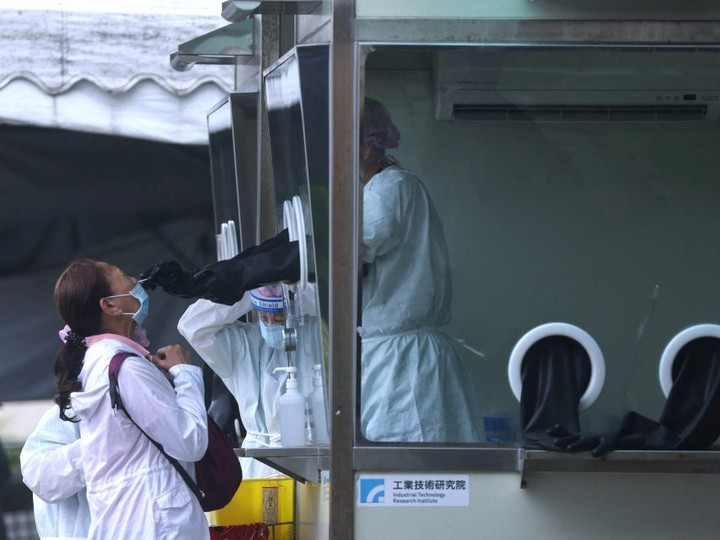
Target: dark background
<point>66,194</point>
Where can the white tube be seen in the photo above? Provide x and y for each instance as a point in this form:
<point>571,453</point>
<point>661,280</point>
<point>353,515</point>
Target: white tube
<point>232,240</point>
<point>289,220</point>
<point>302,240</point>
<point>220,244</point>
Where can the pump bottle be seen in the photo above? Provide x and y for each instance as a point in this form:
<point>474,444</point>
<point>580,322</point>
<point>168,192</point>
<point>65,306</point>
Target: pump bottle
<point>291,410</point>
<point>319,411</point>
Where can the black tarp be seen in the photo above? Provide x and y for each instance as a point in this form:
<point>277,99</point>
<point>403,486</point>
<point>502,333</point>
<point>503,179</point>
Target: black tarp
<point>65,194</point>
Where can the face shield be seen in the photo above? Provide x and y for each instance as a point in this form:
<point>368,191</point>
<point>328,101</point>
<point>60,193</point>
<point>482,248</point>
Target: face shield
<point>269,305</point>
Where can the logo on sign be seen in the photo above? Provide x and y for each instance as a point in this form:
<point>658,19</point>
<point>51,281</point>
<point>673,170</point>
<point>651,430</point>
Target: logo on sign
<point>372,490</point>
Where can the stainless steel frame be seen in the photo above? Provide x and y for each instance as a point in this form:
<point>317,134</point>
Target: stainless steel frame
<point>535,32</point>
<point>352,39</point>
<point>344,249</point>
<point>348,51</point>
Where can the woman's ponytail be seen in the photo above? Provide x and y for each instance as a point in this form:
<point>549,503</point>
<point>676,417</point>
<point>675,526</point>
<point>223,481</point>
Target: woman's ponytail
<point>68,363</point>
<point>78,292</point>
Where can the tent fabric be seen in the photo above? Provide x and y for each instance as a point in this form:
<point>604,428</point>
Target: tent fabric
<point>63,190</point>
<point>103,153</point>
<point>67,194</point>
<point>108,73</point>
<point>146,111</point>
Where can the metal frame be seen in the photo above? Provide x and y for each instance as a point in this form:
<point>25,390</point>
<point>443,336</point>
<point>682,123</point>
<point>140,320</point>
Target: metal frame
<point>371,33</point>
<point>344,249</point>
<point>352,40</point>
<point>536,32</point>
<point>230,45</point>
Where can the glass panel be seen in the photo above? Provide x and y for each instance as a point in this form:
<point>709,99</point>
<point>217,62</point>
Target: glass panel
<point>572,185</point>
<point>245,130</point>
<point>222,165</point>
<point>297,105</point>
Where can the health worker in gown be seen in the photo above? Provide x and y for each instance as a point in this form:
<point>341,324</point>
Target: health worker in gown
<point>414,387</point>
<point>46,463</point>
<point>244,356</point>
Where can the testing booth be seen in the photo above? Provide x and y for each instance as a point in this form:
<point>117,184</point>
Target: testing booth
<point>564,160</point>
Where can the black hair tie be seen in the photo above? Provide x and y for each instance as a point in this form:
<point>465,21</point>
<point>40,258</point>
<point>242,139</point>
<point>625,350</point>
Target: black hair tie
<point>75,339</point>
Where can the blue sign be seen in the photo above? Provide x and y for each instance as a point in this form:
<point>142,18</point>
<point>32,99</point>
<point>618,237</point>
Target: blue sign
<point>372,490</point>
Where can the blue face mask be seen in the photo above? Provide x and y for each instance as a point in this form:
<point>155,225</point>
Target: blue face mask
<point>141,296</point>
<point>273,335</point>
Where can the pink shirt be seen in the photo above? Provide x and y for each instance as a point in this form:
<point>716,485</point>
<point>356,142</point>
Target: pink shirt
<point>91,340</point>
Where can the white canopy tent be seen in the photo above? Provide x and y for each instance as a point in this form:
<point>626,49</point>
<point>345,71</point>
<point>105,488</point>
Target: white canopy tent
<point>103,153</point>
<point>104,67</point>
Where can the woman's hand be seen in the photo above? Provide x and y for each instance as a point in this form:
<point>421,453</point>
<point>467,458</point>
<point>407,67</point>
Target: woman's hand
<point>170,356</point>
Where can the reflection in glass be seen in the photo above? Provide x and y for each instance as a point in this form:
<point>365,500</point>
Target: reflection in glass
<point>297,103</point>
<point>297,106</point>
<point>232,130</point>
<point>575,186</point>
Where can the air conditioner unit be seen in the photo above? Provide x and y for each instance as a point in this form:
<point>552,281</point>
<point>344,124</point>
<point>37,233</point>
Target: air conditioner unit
<point>576,85</point>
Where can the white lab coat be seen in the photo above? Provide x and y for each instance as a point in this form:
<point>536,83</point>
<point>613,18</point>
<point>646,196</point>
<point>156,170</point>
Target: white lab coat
<point>50,466</point>
<point>245,362</point>
<point>133,490</point>
<point>414,387</point>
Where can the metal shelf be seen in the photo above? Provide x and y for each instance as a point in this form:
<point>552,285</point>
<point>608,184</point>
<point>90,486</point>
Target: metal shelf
<point>301,463</point>
<point>305,463</point>
<point>621,461</point>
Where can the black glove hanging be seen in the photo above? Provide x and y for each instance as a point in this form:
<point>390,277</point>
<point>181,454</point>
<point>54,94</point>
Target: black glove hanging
<point>690,419</point>
<point>225,282</point>
<point>555,373</point>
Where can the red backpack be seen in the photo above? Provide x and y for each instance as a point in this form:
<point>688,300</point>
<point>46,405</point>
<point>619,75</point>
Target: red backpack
<point>218,472</point>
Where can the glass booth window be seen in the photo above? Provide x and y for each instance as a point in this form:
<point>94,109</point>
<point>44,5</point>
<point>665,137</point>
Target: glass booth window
<point>522,205</point>
<point>296,92</point>
<point>223,165</point>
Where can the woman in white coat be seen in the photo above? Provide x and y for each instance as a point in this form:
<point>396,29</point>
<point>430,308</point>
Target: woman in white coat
<point>133,491</point>
<point>414,387</point>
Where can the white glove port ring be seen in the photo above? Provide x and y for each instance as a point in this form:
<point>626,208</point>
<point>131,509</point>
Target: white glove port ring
<point>672,349</point>
<point>597,362</point>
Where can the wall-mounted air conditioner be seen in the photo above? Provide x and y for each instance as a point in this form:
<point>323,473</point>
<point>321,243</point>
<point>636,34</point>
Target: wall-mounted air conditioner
<point>576,85</point>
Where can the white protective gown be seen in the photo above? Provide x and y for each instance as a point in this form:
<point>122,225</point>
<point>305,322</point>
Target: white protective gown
<point>414,386</point>
<point>245,362</point>
<point>51,468</point>
<point>133,490</point>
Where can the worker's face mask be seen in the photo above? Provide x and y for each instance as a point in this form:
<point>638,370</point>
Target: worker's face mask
<point>141,296</point>
<point>273,335</point>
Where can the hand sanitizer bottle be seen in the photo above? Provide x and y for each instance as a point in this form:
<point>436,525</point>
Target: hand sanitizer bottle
<point>319,411</point>
<point>291,410</point>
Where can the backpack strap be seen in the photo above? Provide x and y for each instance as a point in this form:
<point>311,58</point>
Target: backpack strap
<point>113,370</point>
<point>117,404</point>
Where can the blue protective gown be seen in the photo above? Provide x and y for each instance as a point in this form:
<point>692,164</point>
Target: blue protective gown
<point>414,386</point>
<point>50,464</point>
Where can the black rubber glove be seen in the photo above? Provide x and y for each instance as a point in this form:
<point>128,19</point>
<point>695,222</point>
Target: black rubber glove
<point>690,419</point>
<point>555,373</point>
<point>225,282</point>
<point>171,277</point>
<point>598,443</point>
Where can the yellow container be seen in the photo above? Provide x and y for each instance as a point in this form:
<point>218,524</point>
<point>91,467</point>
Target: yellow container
<point>265,500</point>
